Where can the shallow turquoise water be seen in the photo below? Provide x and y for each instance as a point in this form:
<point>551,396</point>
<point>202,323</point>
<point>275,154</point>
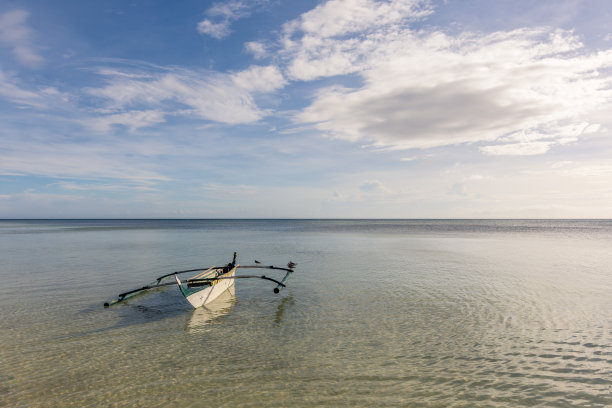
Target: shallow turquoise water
<point>379,313</point>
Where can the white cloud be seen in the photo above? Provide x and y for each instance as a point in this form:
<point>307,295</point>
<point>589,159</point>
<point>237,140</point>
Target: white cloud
<point>260,79</point>
<point>220,18</point>
<point>257,49</point>
<point>336,18</point>
<point>208,95</point>
<point>232,10</point>
<point>339,36</point>
<point>427,89</point>
<point>15,34</point>
<point>215,30</point>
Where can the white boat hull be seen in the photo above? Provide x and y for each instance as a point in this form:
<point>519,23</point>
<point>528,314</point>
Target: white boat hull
<point>209,293</point>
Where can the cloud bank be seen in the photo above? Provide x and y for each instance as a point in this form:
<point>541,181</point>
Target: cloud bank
<point>516,91</point>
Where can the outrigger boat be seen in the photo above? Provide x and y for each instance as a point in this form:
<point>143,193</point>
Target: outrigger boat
<point>207,285</point>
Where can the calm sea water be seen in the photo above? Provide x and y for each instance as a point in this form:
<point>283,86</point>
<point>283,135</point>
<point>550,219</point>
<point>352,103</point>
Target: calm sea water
<point>437,313</point>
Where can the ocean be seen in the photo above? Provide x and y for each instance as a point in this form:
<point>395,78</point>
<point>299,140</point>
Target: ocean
<point>379,313</point>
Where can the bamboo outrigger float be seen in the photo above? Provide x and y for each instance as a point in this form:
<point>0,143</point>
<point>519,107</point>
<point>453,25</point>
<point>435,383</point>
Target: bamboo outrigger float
<point>207,285</point>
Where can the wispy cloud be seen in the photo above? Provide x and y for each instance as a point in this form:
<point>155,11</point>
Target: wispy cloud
<point>102,186</point>
<point>92,161</point>
<point>24,95</point>
<point>137,99</point>
<point>12,91</point>
<point>220,16</point>
<point>133,120</point>
<point>18,36</point>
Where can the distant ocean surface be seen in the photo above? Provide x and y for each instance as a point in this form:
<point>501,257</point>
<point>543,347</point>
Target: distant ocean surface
<point>379,313</point>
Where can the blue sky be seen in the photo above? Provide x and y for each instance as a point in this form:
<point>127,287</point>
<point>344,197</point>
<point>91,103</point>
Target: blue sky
<point>306,109</point>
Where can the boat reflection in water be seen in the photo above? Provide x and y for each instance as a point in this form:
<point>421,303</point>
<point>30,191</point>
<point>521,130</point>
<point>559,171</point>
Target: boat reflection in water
<point>202,316</point>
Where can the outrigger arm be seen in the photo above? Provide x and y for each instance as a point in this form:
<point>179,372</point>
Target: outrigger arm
<point>206,281</point>
<point>126,295</point>
<point>281,284</point>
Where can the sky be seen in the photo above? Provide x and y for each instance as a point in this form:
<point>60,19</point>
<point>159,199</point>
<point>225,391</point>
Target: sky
<point>306,109</point>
